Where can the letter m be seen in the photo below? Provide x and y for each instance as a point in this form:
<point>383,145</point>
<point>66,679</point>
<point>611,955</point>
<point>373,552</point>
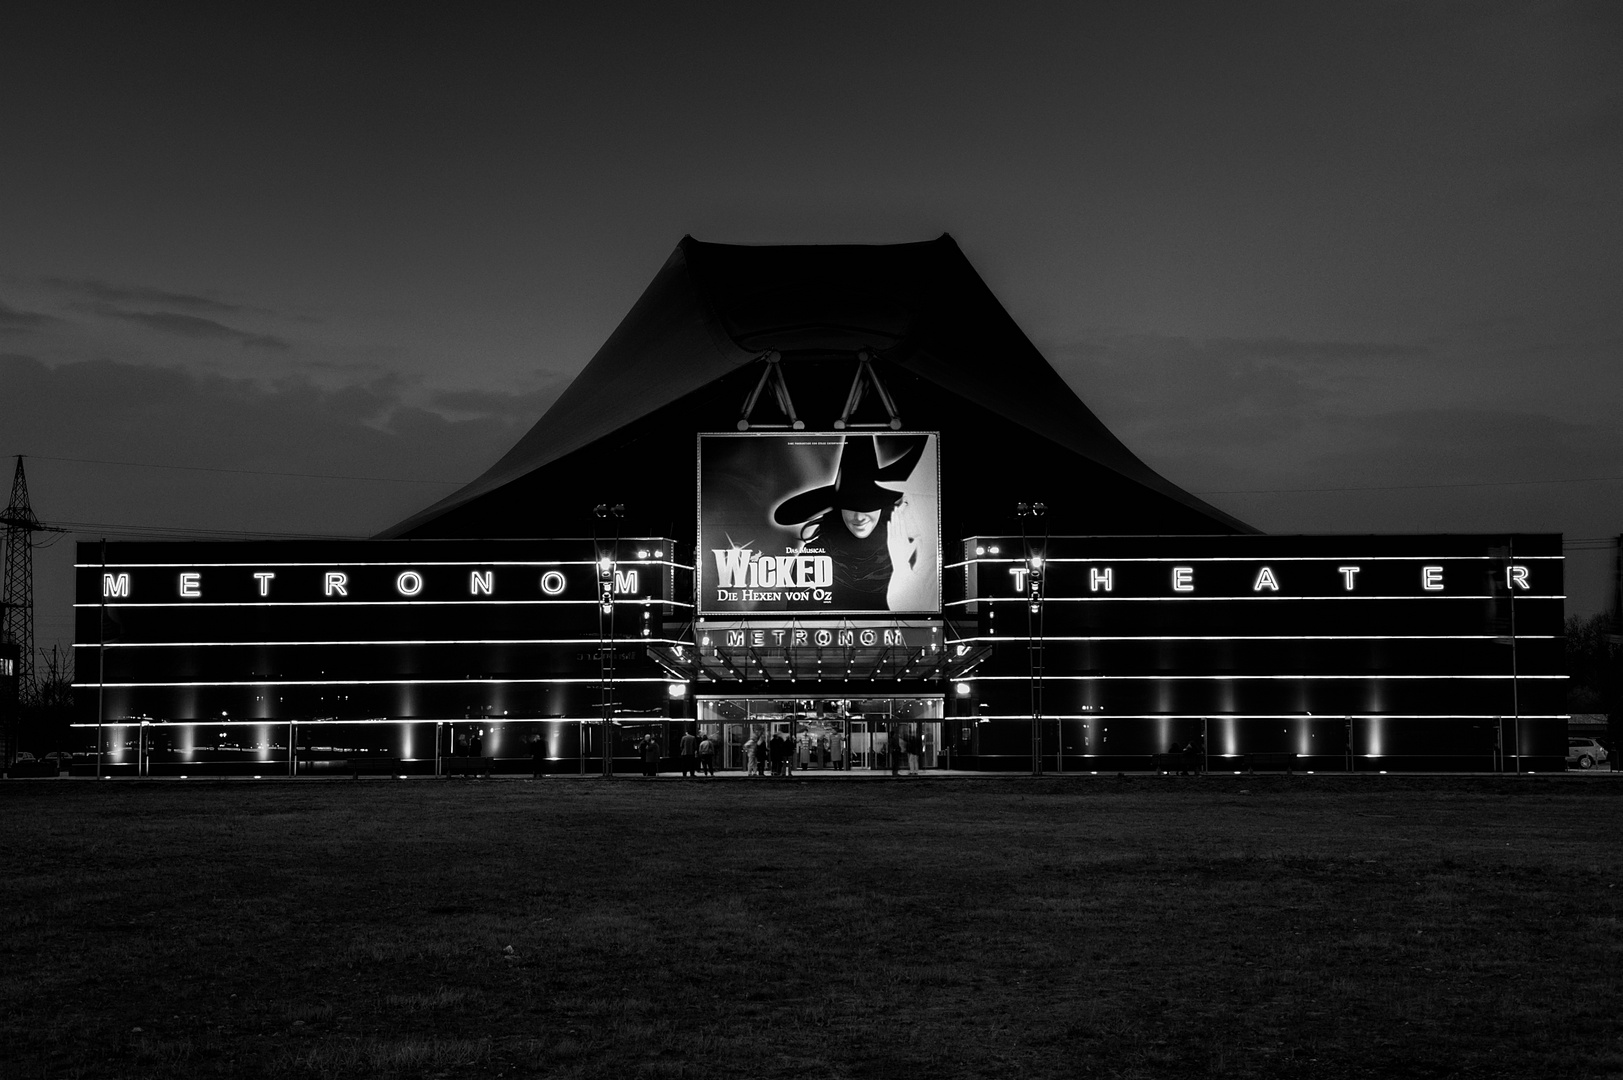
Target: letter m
<point>115,585</point>
<point>625,581</point>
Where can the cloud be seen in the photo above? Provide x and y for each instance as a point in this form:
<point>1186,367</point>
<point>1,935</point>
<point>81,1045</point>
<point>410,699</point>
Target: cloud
<point>14,319</point>
<point>526,406</point>
<point>193,326</point>
<point>1282,432</point>
<point>106,293</point>
<point>117,412</point>
<point>1173,395</point>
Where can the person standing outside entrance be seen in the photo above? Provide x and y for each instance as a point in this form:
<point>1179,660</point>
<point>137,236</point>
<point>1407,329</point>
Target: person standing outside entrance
<point>689,747</point>
<point>915,747</point>
<point>707,757</point>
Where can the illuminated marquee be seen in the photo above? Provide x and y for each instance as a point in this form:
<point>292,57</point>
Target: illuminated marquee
<point>646,577</point>
<point>1265,578</point>
<point>720,639</point>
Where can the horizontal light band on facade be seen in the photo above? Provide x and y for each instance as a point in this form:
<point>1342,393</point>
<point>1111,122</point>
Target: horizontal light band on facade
<point>636,601</point>
<point>336,563</point>
<point>324,644</point>
<point>999,559</point>
<point>470,682</point>
<point>282,722</point>
<point>1188,597</point>
<point>490,721</point>
<point>1287,717</point>
<point>1049,638</point>
<point>1238,678</point>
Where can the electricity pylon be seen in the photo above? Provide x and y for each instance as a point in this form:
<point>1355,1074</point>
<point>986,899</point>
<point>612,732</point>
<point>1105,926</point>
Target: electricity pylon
<point>17,597</point>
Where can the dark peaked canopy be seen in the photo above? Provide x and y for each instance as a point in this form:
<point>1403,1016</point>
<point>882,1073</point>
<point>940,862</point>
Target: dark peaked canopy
<point>687,354</point>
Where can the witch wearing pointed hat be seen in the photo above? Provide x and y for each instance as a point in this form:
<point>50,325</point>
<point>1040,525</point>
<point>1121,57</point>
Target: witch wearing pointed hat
<point>851,520</point>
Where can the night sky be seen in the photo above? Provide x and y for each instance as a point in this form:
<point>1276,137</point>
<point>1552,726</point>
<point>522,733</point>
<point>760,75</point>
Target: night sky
<point>1335,268</point>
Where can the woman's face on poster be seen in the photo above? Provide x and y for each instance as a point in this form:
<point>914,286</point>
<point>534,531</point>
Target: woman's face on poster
<point>860,523</point>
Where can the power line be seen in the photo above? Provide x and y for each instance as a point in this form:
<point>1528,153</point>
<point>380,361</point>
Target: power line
<point>250,472</point>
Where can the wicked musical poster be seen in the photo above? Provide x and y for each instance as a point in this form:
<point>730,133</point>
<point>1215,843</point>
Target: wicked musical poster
<point>819,523</point>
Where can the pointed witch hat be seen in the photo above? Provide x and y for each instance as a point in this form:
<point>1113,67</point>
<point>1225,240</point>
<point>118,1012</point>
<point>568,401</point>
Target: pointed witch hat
<point>856,483</point>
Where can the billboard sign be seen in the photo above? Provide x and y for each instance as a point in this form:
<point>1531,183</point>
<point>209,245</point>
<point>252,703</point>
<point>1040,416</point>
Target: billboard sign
<point>819,524</point>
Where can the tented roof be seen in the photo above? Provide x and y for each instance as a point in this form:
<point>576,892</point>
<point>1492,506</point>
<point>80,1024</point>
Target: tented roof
<point>714,308</point>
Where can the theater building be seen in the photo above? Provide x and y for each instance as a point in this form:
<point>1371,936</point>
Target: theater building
<point>831,494</point>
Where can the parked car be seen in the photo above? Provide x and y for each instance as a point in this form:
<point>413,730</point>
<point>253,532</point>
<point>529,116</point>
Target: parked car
<point>1584,753</point>
<point>28,765</point>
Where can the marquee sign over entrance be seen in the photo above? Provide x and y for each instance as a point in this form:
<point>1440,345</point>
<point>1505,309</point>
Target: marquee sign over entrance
<point>814,650</point>
<point>819,524</point>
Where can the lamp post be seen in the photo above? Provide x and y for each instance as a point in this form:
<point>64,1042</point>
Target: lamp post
<point>606,565</point>
<point>101,657</point>
<point>1035,575</point>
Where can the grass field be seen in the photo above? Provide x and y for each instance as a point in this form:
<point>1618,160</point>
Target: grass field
<point>1137,927</point>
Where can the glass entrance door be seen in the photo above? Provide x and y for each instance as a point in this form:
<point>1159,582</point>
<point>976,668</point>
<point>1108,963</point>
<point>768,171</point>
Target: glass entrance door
<point>820,734</point>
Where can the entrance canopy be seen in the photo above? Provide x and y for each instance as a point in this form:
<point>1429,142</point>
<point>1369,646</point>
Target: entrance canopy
<point>810,656</point>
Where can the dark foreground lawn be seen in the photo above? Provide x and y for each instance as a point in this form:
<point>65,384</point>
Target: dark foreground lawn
<point>1220,926</point>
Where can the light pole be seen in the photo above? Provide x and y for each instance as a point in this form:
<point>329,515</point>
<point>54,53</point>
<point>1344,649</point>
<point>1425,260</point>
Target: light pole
<point>101,657</point>
<point>1035,574</point>
<point>606,565</point>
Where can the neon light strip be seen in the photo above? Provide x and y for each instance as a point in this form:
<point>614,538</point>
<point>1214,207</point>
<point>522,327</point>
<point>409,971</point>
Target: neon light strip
<point>1016,717</point>
<point>276,644</point>
<point>993,639</point>
<point>470,564</point>
<point>283,721</point>
<point>481,681</point>
<point>624,560</point>
<point>1085,559</point>
<point>897,696</point>
<point>1297,717</point>
<point>1187,598</point>
<point>628,602</point>
<point>1236,678</point>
